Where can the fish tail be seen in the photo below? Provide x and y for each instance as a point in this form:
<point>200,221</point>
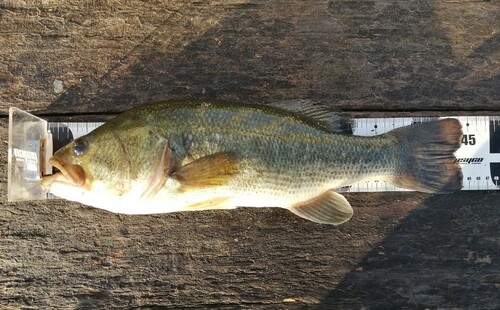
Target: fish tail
<point>426,159</point>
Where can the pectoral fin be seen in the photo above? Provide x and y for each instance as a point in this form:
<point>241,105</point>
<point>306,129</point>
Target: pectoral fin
<point>212,170</point>
<point>328,208</point>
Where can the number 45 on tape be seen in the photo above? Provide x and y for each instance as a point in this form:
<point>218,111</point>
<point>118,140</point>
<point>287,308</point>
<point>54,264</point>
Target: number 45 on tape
<point>479,155</point>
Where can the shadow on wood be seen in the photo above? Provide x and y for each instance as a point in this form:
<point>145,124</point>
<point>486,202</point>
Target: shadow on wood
<point>348,54</point>
<point>443,254</point>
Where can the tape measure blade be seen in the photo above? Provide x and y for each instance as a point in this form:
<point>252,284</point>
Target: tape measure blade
<point>479,155</point>
<point>65,132</point>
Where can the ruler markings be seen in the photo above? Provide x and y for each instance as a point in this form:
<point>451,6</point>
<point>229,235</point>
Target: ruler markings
<point>477,162</point>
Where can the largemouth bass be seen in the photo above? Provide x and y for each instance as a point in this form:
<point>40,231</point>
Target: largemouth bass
<point>187,156</point>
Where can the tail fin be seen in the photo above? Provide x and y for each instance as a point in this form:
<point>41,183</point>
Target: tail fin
<point>427,162</point>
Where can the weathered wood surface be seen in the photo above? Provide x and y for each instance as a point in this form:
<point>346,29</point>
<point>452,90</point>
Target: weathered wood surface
<point>401,250</point>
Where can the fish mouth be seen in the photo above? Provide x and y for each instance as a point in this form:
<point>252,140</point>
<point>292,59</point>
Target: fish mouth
<point>68,173</point>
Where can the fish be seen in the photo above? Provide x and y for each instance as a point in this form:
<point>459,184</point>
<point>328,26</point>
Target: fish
<point>199,155</point>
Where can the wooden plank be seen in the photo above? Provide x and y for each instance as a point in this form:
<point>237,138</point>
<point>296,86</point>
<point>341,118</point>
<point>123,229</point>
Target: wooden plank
<point>101,56</point>
<point>407,250</point>
<point>401,250</point>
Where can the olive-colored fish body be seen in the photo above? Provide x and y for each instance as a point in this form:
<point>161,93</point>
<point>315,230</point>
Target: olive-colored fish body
<point>202,155</point>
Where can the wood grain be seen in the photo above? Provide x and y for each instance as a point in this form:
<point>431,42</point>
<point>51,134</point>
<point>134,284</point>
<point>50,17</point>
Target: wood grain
<point>382,55</point>
<point>400,250</point>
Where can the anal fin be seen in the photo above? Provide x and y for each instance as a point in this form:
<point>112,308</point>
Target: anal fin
<point>328,208</point>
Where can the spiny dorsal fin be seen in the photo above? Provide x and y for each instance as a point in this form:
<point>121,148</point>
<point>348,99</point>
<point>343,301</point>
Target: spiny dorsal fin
<point>328,208</point>
<point>212,170</point>
<point>325,117</point>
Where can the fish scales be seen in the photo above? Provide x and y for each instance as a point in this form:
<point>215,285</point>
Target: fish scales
<point>295,158</point>
<point>200,155</point>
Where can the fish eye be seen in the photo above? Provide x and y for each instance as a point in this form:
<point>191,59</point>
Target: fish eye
<point>79,147</point>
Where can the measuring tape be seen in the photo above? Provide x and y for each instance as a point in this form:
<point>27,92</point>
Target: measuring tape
<point>479,154</point>
<point>30,137</point>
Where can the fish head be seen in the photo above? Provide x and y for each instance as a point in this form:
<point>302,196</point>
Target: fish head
<point>93,164</point>
<point>71,160</point>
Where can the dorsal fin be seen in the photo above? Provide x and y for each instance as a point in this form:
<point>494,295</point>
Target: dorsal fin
<point>325,117</point>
